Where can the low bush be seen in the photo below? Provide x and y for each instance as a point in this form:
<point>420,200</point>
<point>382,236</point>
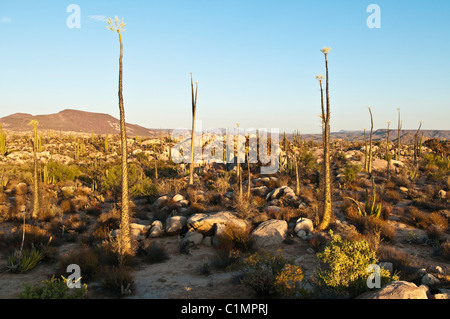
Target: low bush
<point>53,289</point>
<point>343,266</point>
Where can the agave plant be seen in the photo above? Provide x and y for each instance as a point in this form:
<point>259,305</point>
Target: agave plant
<point>370,207</point>
<point>23,260</point>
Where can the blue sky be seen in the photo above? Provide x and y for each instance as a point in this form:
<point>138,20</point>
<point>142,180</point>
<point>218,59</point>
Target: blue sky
<point>255,61</point>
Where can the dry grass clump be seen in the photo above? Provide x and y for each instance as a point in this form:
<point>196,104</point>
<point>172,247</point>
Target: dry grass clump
<point>118,281</point>
<point>84,257</point>
<point>222,184</point>
<point>153,252</point>
<point>239,238</point>
<point>424,220</point>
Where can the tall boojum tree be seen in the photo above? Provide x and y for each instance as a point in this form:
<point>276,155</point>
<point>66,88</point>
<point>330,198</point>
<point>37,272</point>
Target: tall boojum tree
<point>125,231</point>
<point>326,169</point>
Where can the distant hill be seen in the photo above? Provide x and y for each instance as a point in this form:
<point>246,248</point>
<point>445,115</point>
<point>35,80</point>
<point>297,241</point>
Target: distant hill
<point>406,136</point>
<point>73,121</point>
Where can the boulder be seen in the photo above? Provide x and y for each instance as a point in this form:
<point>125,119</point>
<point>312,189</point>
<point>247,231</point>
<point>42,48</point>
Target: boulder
<point>178,198</point>
<point>204,223</point>
<point>192,238</point>
<point>396,290</point>
<point>304,224</point>
<point>156,229</point>
<point>161,201</point>
<point>175,224</point>
<point>269,233</point>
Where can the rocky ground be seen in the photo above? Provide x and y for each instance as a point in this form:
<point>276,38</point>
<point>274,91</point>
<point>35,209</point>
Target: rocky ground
<point>187,223</point>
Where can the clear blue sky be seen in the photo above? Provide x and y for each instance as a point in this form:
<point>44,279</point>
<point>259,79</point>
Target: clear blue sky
<point>255,61</point>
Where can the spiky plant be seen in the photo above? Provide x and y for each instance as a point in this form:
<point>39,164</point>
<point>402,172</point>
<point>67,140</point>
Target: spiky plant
<point>125,232</point>
<point>370,207</point>
<point>326,169</point>
<point>194,109</point>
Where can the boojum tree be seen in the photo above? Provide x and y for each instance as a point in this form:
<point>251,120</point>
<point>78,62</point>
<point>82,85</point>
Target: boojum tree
<point>370,163</point>
<point>388,153</point>
<point>34,143</point>
<point>399,131</point>
<point>194,109</point>
<point>326,170</point>
<point>125,231</point>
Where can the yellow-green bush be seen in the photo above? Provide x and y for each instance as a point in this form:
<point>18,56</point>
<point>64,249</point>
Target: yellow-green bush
<point>272,275</point>
<point>343,266</point>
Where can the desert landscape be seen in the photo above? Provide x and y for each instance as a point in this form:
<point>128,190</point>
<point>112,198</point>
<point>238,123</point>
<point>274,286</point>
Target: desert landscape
<point>94,207</point>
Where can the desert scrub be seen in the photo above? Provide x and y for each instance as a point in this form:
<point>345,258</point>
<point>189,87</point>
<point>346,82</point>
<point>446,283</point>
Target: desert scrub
<point>350,172</point>
<point>58,172</point>
<point>272,275</point>
<point>118,281</point>
<point>140,184</point>
<point>239,238</point>
<point>52,289</point>
<point>153,252</point>
<point>343,266</point>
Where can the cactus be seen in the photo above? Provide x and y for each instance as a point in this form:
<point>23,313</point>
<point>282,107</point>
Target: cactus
<point>3,149</point>
<point>369,206</point>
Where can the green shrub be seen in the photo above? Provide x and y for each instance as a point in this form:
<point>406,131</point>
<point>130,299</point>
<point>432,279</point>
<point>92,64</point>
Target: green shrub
<point>350,172</point>
<point>58,172</point>
<point>272,275</point>
<point>53,289</point>
<point>140,184</point>
<point>343,266</point>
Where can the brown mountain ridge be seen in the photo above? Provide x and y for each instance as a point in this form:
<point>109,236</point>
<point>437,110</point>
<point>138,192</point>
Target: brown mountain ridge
<point>73,121</point>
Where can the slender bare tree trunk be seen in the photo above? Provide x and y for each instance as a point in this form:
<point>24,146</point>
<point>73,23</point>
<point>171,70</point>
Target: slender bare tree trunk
<point>399,129</point>
<point>366,168</point>
<point>416,145</point>
<point>297,178</point>
<point>370,143</point>
<point>125,232</point>
<point>388,155</point>
<point>326,217</point>
<point>194,107</point>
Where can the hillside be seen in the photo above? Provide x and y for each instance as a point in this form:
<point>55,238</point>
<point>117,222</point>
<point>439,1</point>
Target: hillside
<point>73,121</point>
